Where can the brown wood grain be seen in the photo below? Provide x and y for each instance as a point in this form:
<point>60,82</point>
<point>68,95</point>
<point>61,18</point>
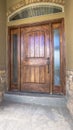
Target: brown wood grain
<point>35,46</point>
<point>37,74</point>
<point>35,56</point>
<point>31,87</point>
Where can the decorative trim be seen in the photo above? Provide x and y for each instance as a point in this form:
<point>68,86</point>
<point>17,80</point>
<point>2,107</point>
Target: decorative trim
<point>39,19</point>
<point>35,11</point>
<point>27,2</point>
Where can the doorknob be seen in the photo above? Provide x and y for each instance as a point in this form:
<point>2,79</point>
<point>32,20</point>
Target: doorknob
<point>48,63</point>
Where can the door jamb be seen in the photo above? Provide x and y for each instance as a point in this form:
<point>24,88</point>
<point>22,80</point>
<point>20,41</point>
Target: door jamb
<point>35,24</point>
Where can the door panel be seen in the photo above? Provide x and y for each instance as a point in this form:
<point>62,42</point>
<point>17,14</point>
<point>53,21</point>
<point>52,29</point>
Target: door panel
<point>36,73</point>
<point>36,49</point>
<point>42,74</point>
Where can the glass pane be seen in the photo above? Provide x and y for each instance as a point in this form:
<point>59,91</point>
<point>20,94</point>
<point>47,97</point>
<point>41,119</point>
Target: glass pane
<point>56,57</point>
<point>31,45</point>
<point>42,44</point>
<point>35,11</point>
<point>37,44</point>
<point>15,62</point>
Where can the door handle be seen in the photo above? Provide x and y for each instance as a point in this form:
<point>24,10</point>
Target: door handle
<point>48,63</point>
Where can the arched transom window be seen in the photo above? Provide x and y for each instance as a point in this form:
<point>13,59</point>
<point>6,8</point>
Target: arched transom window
<point>36,10</point>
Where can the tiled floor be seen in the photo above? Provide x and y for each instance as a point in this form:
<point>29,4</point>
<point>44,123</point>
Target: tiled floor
<point>16,116</point>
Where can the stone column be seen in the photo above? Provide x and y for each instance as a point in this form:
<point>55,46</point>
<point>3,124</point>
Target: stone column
<point>69,84</point>
<point>2,84</point>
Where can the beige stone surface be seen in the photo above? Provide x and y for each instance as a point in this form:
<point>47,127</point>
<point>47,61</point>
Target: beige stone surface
<point>13,5</point>
<point>69,86</point>
<point>70,105</point>
<point>70,102</point>
<point>1,96</point>
<point>15,116</point>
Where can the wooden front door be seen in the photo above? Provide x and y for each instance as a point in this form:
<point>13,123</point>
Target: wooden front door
<point>37,58</point>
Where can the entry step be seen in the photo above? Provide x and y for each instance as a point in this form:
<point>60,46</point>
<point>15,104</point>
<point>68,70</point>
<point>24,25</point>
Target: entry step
<point>33,98</point>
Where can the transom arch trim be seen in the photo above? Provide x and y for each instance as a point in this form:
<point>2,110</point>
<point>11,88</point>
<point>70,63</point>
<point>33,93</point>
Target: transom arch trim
<point>36,10</point>
<point>28,2</point>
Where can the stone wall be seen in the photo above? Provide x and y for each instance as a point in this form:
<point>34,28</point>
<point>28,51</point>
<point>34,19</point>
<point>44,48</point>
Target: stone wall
<point>69,88</point>
<point>2,83</point>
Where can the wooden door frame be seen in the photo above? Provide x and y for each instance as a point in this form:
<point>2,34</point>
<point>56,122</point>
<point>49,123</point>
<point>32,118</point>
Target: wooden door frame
<point>36,24</point>
<point>9,58</point>
<point>62,61</point>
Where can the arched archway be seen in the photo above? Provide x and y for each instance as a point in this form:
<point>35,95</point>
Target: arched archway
<point>38,9</point>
